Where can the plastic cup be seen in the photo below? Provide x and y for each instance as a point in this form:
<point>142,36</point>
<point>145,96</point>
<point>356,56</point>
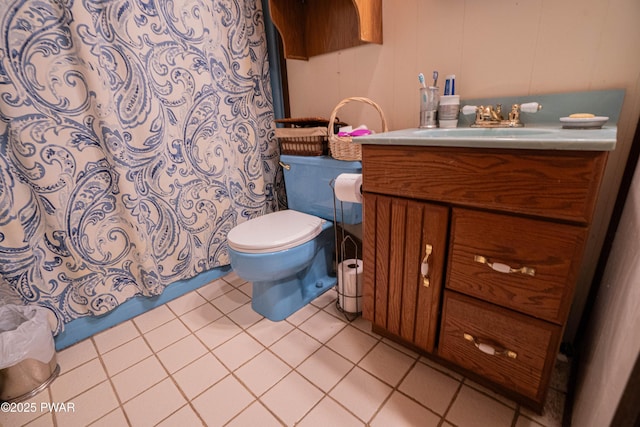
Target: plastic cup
<point>448,110</point>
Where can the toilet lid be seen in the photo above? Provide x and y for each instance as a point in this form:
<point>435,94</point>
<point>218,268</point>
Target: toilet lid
<point>274,232</point>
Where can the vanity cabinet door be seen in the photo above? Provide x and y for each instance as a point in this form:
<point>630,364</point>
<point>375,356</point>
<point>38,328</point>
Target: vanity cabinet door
<point>404,252</point>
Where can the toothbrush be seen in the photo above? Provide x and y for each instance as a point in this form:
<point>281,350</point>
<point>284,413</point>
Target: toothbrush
<point>421,80</point>
<point>435,79</point>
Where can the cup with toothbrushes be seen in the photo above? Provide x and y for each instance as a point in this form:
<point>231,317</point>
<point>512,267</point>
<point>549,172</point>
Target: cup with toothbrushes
<point>429,107</point>
<point>449,105</point>
<point>429,97</point>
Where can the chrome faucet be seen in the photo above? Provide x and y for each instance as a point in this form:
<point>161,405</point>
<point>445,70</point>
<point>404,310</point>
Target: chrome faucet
<point>491,117</point>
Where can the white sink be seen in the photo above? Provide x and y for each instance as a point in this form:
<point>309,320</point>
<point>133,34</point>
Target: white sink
<point>483,133</point>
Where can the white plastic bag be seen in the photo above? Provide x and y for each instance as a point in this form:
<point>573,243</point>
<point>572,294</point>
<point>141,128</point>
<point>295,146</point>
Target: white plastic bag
<point>24,334</point>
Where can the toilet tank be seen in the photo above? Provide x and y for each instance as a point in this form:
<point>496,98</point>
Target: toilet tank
<point>308,189</point>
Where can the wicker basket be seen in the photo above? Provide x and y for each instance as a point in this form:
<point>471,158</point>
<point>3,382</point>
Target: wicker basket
<point>342,147</point>
<point>303,141</point>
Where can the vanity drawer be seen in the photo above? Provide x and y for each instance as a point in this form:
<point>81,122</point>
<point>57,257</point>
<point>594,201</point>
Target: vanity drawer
<point>525,348</point>
<point>544,258</point>
<point>558,184</point>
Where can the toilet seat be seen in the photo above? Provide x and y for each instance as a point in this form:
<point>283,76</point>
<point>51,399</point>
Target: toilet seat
<point>274,232</point>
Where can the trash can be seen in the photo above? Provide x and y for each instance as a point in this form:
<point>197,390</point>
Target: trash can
<point>27,352</point>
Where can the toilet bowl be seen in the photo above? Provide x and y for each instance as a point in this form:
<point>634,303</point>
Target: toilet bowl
<point>289,254</point>
<point>287,272</point>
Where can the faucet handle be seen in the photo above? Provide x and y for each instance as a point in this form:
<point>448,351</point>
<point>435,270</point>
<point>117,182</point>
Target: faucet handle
<point>469,109</point>
<point>530,107</point>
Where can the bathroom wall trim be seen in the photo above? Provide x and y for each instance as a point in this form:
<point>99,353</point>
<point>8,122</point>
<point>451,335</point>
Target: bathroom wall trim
<point>85,327</point>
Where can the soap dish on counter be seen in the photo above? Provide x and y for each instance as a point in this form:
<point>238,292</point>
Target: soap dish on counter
<point>583,123</point>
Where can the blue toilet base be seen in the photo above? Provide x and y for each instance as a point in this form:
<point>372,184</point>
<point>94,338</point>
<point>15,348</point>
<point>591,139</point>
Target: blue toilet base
<point>277,301</point>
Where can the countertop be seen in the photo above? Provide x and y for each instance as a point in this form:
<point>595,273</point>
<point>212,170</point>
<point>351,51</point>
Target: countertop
<point>536,137</point>
<point>542,130</point>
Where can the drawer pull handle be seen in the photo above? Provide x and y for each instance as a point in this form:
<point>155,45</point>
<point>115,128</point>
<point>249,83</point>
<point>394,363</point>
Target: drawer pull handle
<point>490,349</point>
<point>424,267</point>
<point>504,268</point>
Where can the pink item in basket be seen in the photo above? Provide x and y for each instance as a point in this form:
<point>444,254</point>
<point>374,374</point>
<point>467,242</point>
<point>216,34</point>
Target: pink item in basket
<point>356,132</point>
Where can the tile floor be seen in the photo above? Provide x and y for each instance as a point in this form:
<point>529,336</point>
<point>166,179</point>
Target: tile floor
<point>207,358</point>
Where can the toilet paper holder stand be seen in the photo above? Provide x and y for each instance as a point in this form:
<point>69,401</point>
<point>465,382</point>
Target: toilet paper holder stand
<point>343,242</point>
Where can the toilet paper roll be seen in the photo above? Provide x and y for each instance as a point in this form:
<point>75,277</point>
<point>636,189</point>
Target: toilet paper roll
<point>348,187</point>
<point>350,285</point>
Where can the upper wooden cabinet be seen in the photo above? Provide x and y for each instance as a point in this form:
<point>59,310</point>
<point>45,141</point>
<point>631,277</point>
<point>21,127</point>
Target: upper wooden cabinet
<point>314,27</point>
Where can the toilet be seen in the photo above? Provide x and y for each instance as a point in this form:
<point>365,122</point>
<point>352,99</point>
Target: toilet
<point>289,254</point>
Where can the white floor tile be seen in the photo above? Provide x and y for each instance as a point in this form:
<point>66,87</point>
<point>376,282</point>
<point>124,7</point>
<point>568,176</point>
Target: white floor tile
<point>45,420</point>
<point>526,422</point>
<point>322,326</point>
<point>138,378</point>
<point>400,411</point>
<point>268,332</point>
<point>76,355</point>
<point>387,363</point>
<point>364,326</point>
<point>113,418</point>
<point>155,404</point>
<point>362,393</point>
<point>200,375</point>
<point>230,301</point>
<point>245,316</point>
<point>303,314</point>
<point>201,316</point>
<point>292,398</point>
<point>325,368</point>
<point>181,353</point>
<point>215,289</point>
<point>78,380</point>
<point>510,403</point>
<point>237,351</point>
<point>351,343</point>
<point>19,418</point>
<point>430,387</point>
<point>439,367</point>
<point>218,332</point>
<point>474,409</point>
<point>153,318</point>
<point>116,336</point>
<point>222,402</point>
<point>90,406</point>
<point>255,415</point>
<point>126,355</point>
<point>325,299</point>
<point>186,303</point>
<point>262,372</point>
<point>184,417</point>
<point>166,334</point>
<point>295,347</point>
<point>246,288</point>
<point>233,279</point>
<point>329,413</point>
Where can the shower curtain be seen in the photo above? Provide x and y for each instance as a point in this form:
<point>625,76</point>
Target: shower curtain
<point>133,135</point>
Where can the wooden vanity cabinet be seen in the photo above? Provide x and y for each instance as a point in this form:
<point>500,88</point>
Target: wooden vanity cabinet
<point>507,229</point>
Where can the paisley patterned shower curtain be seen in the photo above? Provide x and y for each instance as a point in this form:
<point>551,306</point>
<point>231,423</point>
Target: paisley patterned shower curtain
<point>133,135</point>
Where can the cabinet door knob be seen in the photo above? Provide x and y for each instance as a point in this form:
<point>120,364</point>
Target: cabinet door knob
<point>424,267</point>
<point>504,268</point>
<point>490,349</point>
